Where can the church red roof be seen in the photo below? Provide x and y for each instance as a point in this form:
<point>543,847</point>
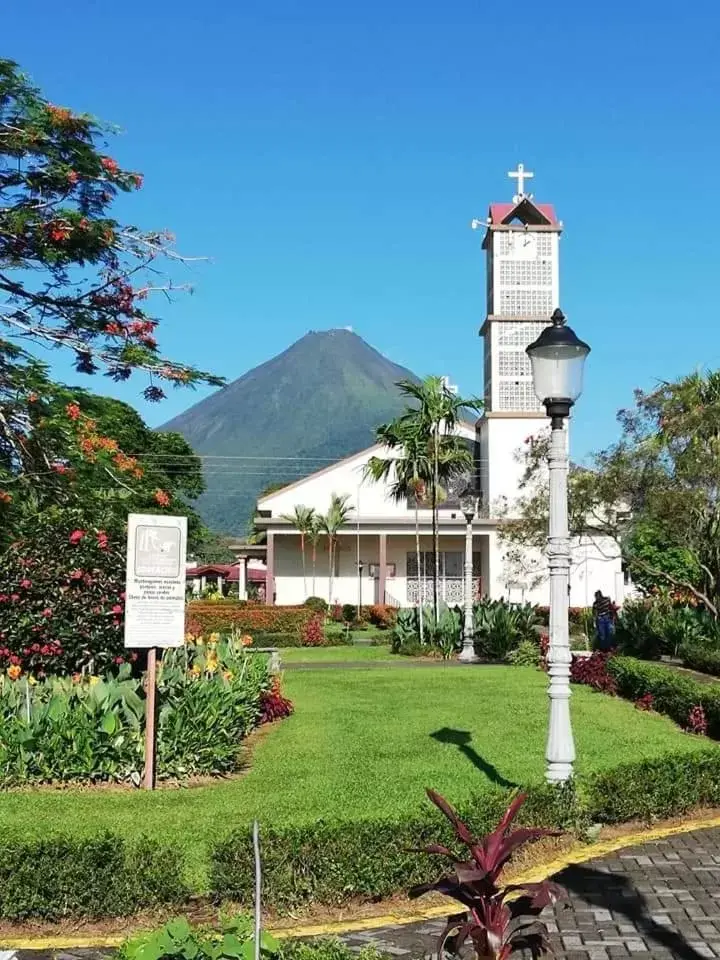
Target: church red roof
<point>504,212</point>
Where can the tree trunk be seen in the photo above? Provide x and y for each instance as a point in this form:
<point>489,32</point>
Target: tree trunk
<point>314,559</point>
<point>436,537</point>
<point>304,565</point>
<point>419,570</point>
<point>330,570</point>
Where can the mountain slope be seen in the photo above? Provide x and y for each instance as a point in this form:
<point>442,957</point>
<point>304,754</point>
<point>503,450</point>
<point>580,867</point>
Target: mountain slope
<point>319,400</point>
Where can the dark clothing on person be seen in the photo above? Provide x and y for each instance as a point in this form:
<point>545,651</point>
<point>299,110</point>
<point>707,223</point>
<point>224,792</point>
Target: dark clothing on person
<point>604,613</point>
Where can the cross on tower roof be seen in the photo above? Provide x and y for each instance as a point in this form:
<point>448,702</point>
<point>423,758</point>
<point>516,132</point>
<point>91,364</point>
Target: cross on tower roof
<point>521,175</point>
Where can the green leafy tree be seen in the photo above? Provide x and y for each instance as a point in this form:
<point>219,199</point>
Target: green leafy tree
<point>654,492</point>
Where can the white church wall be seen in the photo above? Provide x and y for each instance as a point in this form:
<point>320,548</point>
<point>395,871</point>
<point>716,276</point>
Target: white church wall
<point>504,438</point>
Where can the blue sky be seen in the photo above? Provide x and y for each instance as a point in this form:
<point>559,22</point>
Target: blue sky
<point>327,158</point>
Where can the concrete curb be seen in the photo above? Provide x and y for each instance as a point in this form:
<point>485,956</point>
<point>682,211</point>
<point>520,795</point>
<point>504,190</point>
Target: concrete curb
<point>580,853</point>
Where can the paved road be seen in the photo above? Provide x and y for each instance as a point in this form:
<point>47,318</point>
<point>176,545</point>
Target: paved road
<point>657,901</point>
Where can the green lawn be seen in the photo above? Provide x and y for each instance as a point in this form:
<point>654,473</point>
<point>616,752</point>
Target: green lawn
<point>361,744</point>
<point>335,654</point>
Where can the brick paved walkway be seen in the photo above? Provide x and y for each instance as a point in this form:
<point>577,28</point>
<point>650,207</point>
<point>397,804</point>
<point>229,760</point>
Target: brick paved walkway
<point>655,901</point>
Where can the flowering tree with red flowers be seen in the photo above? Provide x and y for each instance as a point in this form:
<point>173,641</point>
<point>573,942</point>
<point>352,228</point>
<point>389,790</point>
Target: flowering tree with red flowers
<point>71,275</point>
<point>62,597</point>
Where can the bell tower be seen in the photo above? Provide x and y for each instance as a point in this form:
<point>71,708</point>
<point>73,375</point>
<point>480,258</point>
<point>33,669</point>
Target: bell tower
<point>521,245</point>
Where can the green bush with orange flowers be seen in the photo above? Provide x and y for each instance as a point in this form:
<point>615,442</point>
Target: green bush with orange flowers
<point>91,728</point>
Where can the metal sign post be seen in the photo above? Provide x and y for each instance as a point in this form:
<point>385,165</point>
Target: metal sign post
<point>154,603</point>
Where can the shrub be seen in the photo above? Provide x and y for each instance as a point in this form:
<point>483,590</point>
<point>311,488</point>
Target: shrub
<point>61,597</point>
<point>702,658</point>
<point>222,617</point>
<point>316,604</point>
<point>382,615</point>
<point>674,694</point>
<point>177,938</point>
<point>655,789</point>
<point>92,729</point>
<point>333,862</point>
<point>207,710</point>
<point>273,705</point>
<point>314,635</point>
<point>349,612</point>
<point>593,671</point>
<point>500,626</point>
<point>262,639</point>
<point>106,876</point>
<point>526,654</point>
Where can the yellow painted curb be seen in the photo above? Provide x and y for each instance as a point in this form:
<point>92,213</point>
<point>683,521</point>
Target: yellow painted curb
<point>579,853</point>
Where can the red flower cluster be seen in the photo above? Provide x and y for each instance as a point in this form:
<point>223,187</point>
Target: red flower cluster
<point>73,411</point>
<point>110,165</point>
<point>593,671</point>
<point>76,536</point>
<point>273,705</point>
<point>161,498</point>
<point>5,497</point>
<point>58,230</point>
<point>313,635</point>
<point>696,722</point>
<point>73,176</point>
<point>102,539</point>
<point>646,702</point>
<point>59,115</point>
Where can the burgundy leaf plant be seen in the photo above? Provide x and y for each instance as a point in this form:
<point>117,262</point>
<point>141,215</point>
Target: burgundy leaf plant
<point>498,920</point>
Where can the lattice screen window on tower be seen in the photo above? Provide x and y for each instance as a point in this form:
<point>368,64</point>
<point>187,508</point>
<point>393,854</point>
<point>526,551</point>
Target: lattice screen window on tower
<point>517,303</point>
<point>514,363</point>
<point>518,395</point>
<point>519,334</point>
<point>530,273</point>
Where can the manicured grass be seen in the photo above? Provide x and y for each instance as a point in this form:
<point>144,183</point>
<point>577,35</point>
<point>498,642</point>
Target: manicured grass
<point>344,654</point>
<point>362,744</point>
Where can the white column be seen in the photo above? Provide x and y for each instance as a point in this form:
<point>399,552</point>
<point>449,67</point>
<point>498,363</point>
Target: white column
<point>242,578</point>
<point>560,753</point>
<point>467,654</point>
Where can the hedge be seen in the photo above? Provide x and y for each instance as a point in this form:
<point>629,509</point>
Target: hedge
<point>59,877</point>
<point>333,862</point>
<point>701,658</point>
<point>218,617</point>
<point>673,693</point>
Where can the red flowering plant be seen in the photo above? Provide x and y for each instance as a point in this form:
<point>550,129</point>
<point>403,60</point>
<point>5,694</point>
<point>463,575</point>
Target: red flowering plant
<point>273,705</point>
<point>593,671</point>
<point>495,925</point>
<point>62,597</point>
<point>313,633</point>
<point>76,279</point>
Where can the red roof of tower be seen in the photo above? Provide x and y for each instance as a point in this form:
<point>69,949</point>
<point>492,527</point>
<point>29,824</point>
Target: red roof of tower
<point>526,210</point>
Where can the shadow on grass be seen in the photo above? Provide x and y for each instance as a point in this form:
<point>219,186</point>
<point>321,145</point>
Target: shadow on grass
<point>462,739</point>
<point>617,893</point>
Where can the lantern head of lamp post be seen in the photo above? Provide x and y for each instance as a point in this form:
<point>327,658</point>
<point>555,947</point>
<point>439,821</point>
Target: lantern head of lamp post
<point>468,504</point>
<point>558,358</point>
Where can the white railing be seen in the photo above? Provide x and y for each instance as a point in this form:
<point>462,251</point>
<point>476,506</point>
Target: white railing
<point>451,590</point>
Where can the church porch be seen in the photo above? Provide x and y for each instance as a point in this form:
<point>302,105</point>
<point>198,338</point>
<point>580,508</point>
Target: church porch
<point>388,572</point>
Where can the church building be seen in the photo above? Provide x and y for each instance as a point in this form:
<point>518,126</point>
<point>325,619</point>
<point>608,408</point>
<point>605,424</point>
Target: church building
<point>375,559</point>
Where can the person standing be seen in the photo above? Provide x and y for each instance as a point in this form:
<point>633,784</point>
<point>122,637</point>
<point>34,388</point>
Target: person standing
<point>604,616</point>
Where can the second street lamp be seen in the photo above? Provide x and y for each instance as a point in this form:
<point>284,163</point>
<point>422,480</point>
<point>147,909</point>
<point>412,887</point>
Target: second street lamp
<point>468,505</point>
<point>558,358</point>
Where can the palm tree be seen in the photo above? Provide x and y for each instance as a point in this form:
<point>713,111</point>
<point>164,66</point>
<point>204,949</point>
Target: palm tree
<point>431,419</point>
<point>313,536</point>
<point>336,516</point>
<point>302,519</point>
<point>412,472</point>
